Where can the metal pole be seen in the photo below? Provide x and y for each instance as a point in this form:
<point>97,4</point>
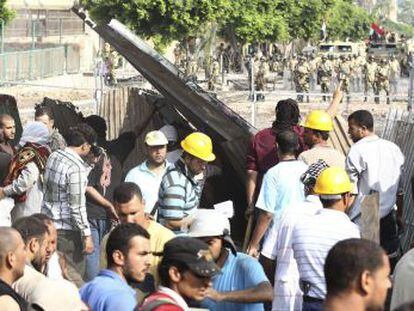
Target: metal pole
<point>60,30</point>
<point>222,68</point>
<point>410,88</point>
<point>2,36</point>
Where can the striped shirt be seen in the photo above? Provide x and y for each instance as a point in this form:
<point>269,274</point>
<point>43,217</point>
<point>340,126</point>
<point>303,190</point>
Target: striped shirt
<point>179,193</point>
<point>65,182</point>
<point>312,238</point>
<point>287,294</point>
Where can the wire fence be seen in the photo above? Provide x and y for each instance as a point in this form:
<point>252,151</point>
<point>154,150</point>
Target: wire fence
<point>38,63</point>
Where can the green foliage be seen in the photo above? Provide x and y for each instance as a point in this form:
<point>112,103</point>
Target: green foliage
<point>256,21</point>
<point>346,20</point>
<point>5,13</point>
<point>248,21</point>
<point>166,20</point>
<point>400,28</point>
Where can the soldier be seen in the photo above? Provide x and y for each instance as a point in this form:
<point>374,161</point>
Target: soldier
<point>381,80</point>
<point>261,77</point>
<point>301,78</point>
<point>313,66</point>
<point>395,69</point>
<point>344,74</point>
<point>215,72</point>
<point>177,55</point>
<point>292,66</point>
<point>192,67</point>
<point>109,65</point>
<point>369,70</point>
<point>325,73</point>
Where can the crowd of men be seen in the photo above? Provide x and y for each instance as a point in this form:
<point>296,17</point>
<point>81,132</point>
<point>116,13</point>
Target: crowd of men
<point>77,236</point>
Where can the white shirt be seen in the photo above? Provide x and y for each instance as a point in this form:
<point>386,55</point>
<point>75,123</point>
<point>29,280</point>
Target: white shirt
<point>287,294</point>
<point>312,238</point>
<point>374,164</point>
<point>148,182</point>
<point>54,271</point>
<point>281,188</point>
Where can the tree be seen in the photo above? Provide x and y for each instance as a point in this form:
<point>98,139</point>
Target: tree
<point>347,21</point>
<point>5,13</point>
<point>161,20</point>
<point>257,21</point>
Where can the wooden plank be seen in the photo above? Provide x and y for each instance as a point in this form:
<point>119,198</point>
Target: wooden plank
<point>370,217</point>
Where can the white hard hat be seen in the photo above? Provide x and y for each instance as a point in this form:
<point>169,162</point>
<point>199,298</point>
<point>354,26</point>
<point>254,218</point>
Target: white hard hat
<point>170,132</point>
<point>209,222</point>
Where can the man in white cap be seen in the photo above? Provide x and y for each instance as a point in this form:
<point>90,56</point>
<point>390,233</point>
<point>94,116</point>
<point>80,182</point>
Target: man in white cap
<point>149,173</point>
<point>242,284</point>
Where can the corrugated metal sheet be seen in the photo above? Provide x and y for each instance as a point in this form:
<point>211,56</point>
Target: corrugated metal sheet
<point>399,128</point>
<point>126,108</point>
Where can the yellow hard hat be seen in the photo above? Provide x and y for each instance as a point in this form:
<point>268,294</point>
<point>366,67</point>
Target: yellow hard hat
<point>199,145</point>
<point>319,120</point>
<point>333,180</point>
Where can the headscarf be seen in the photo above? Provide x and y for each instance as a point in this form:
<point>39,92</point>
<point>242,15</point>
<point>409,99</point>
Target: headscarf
<point>33,149</point>
<point>35,132</point>
<point>315,169</point>
<point>287,115</point>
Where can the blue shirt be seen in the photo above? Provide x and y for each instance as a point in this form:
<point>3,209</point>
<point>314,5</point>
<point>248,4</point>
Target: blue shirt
<point>148,182</point>
<point>239,272</point>
<point>108,292</point>
<point>282,188</point>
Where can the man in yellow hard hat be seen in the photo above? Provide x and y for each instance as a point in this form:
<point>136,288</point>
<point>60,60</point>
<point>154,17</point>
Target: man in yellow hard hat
<point>314,235</point>
<point>317,126</point>
<point>180,191</point>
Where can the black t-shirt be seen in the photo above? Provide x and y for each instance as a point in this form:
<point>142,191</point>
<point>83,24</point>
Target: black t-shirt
<point>94,210</point>
<point>5,159</point>
<point>5,289</point>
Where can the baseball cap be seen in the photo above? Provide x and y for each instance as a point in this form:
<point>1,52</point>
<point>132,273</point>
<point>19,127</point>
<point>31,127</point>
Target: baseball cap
<point>193,253</point>
<point>156,138</point>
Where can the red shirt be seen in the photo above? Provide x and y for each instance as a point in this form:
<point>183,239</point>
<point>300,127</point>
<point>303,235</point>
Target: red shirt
<point>262,152</point>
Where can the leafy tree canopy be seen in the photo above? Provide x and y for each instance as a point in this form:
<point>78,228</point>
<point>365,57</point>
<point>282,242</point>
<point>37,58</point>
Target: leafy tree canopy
<point>348,21</point>
<point>6,14</point>
<point>248,20</point>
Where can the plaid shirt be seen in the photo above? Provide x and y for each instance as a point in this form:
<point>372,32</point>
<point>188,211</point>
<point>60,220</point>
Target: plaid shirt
<point>65,183</point>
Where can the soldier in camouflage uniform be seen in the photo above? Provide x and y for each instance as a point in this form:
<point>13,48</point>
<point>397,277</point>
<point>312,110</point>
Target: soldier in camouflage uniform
<point>381,80</point>
<point>313,66</point>
<point>261,77</point>
<point>395,70</point>
<point>325,73</point>
<point>344,74</point>
<point>214,74</point>
<point>292,66</point>
<point>177,55</point>
<point>301,78</point>
<point>369,71</point>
